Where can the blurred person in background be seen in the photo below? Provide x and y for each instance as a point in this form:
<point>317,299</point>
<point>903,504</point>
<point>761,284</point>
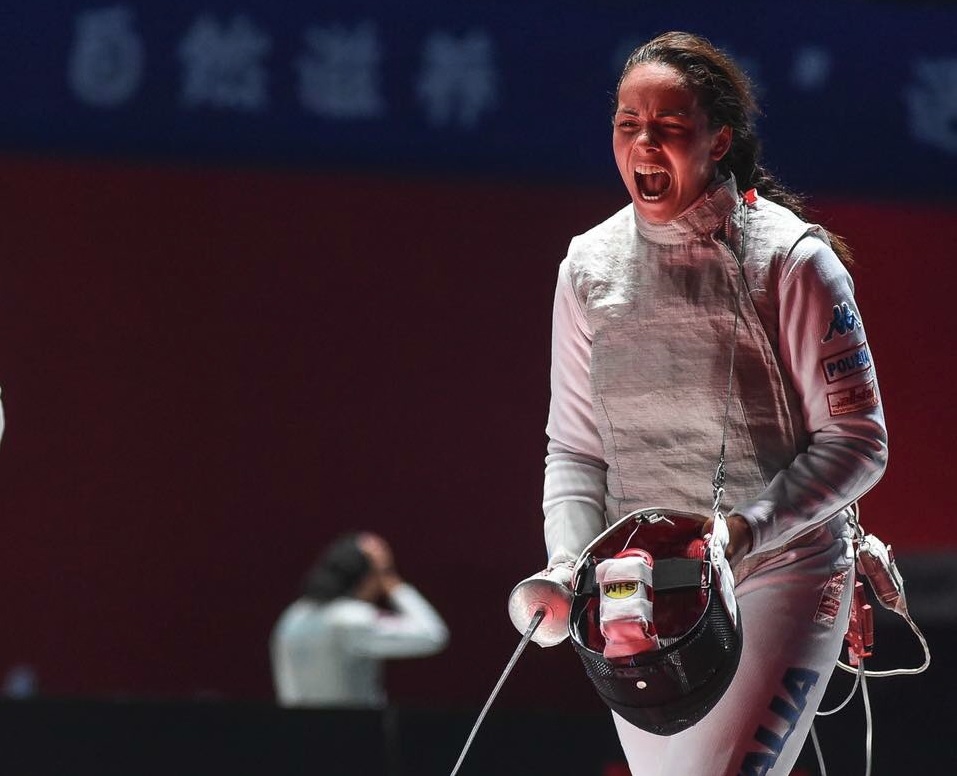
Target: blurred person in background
<point>355,611</point>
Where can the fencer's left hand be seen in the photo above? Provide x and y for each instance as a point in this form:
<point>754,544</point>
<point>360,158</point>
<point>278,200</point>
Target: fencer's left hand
<point>741,539</point>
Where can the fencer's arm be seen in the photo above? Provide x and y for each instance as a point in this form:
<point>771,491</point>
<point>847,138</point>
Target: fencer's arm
<point>575,470</point>
<point>847,453</point>
<point>415,629</point>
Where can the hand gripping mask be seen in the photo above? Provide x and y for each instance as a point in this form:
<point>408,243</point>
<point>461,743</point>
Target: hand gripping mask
<point>654,618</point>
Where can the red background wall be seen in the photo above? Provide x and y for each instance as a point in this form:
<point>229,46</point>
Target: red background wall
<point>208,374</point>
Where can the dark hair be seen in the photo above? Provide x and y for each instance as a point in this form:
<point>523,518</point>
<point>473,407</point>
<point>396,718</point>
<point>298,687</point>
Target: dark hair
<point>338,571</point>
<point>725,93</point>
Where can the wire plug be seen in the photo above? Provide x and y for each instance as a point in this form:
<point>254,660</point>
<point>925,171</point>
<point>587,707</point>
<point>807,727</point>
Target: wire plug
<point>875,560</point>
<point>860,629</point>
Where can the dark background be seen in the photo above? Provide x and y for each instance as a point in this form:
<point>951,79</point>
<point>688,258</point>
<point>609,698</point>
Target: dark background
<point>197,402</point>
<point>228,338</point>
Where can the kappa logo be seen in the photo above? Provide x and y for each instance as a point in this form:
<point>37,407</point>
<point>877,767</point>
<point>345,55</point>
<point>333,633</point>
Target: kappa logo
<point>843,322</point>
<point>858,397</point>
<point>846,363</point>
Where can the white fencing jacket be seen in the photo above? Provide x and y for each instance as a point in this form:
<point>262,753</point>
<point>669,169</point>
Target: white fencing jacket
<point>643,325</point>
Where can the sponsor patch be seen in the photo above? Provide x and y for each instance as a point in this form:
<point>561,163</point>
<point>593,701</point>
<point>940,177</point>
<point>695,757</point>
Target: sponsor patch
<point>830,603</point>
<point>849,362</point>
<point>843,321</point>
<point>859,397</point>
<point>620,589</point>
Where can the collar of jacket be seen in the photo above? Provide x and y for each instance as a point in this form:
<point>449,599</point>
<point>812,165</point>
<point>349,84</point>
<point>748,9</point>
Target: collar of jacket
<point>702,219</point>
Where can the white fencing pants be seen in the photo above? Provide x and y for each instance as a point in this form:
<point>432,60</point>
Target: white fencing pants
<point>794,614</point>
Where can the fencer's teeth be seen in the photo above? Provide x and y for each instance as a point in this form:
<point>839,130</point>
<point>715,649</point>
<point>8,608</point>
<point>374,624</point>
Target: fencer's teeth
<point>648,169</point>
<point>649,197</point>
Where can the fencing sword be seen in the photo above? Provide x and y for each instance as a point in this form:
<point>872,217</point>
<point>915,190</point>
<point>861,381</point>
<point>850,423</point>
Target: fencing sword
<point>541,599</point>
<point>532,625</point>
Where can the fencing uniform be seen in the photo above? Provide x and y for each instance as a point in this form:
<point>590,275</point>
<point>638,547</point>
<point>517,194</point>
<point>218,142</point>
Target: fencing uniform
<point>644,330</point>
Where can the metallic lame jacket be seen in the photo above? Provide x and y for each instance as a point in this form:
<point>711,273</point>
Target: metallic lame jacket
<point>644,331</point>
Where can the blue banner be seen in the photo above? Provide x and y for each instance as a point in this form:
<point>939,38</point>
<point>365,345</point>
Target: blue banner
<point>859,98</point>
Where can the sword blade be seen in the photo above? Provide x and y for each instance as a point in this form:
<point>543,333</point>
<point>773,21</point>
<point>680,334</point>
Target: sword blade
<point>535,622</point>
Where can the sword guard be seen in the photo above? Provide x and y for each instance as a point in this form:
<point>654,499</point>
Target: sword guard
<point>549,593</point>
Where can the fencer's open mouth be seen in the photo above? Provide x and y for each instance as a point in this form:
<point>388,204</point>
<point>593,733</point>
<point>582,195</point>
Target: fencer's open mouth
<point>652,182</point>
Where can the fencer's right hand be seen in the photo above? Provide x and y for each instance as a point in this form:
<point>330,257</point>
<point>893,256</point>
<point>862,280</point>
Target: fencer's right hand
<point>548,591</point>
<point>740,537</point>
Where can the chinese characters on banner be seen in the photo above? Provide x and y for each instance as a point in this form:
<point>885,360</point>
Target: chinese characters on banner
<point>226,65</point>
<point>477,72</point>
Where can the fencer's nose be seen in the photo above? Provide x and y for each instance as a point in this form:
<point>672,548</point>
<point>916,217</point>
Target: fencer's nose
<point>646,138</point>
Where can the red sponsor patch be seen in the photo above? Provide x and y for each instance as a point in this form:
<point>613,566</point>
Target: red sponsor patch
<point>830,604</point>
<point>860,397</point>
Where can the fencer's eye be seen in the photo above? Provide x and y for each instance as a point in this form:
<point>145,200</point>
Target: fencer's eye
<point>626,121</point>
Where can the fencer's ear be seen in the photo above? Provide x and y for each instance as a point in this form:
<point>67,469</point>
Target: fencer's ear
<point>721,142</point>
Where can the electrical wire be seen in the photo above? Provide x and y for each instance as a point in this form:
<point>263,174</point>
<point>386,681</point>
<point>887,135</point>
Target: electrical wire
<point>859,681</point>
<point>848,699</point>
<point>869,736</point>
<point>817,750</point>
<point>897,671</point>
<point>861,674</point>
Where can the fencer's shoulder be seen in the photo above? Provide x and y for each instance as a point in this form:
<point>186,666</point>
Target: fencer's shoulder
<point>780,226</point>
<point>595,251</point>
<point>613,230</point>
<point>773,224</point>
<point>778,239</point>
<point>766,209</point>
